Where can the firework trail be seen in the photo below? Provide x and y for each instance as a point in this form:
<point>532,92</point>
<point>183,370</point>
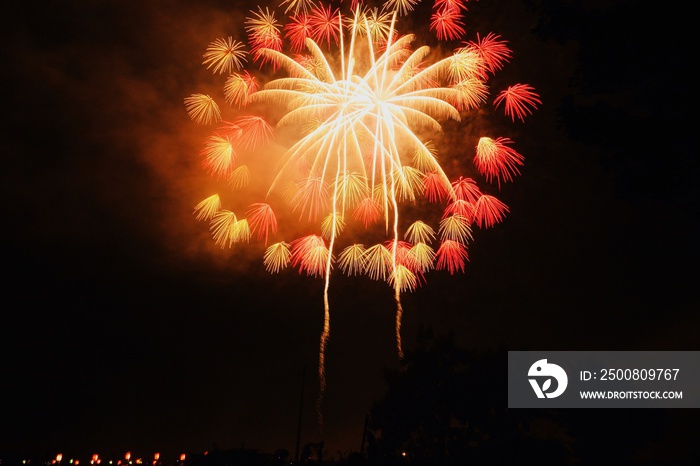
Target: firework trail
<point>359,113</point>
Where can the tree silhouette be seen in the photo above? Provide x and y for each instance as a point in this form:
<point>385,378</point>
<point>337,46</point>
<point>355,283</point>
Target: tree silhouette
<point>445,405</point>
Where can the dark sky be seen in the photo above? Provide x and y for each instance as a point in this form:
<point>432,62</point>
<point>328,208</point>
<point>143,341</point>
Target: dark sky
<point>126,328</point>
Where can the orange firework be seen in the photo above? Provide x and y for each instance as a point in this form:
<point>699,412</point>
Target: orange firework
<point>345,131</point>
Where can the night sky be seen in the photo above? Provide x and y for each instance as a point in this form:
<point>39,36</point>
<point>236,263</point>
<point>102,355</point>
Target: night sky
<point>125,328</point>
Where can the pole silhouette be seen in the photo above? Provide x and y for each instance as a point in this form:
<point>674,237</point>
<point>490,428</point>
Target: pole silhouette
<point>301,407</point>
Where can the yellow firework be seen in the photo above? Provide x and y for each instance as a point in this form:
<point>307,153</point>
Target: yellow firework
<point>202,109</point>
<point>208,207</point>
<point>355,136</point>
<point>224,55</point>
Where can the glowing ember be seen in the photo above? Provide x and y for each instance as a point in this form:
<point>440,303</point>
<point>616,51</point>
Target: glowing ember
<point>349,133</point>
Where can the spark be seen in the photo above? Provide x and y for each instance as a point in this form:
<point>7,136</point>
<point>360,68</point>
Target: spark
<point>240,231</point>
<point>465,65</point>
<point>311,197</point>
<point>461,208</point>
<point>262,26</point>
<point>400,251</point>
<point>408,181</point>
<point>354,4</point>
<point>317,68</point>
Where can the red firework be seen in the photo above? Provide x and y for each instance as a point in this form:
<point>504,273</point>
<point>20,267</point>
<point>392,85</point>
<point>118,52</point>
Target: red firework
<point>325,24</point>
<point>493,51</point>
<point>519,101</point>
<point>451,256</point>
<point>495,160</point>
<point>262,220</point>
<point>297,30</point>
<point>447,24</point>
<point>310,255</point>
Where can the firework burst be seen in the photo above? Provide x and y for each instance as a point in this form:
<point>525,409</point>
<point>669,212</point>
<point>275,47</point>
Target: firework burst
<point>224,55</point>
<point>365,119</point>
